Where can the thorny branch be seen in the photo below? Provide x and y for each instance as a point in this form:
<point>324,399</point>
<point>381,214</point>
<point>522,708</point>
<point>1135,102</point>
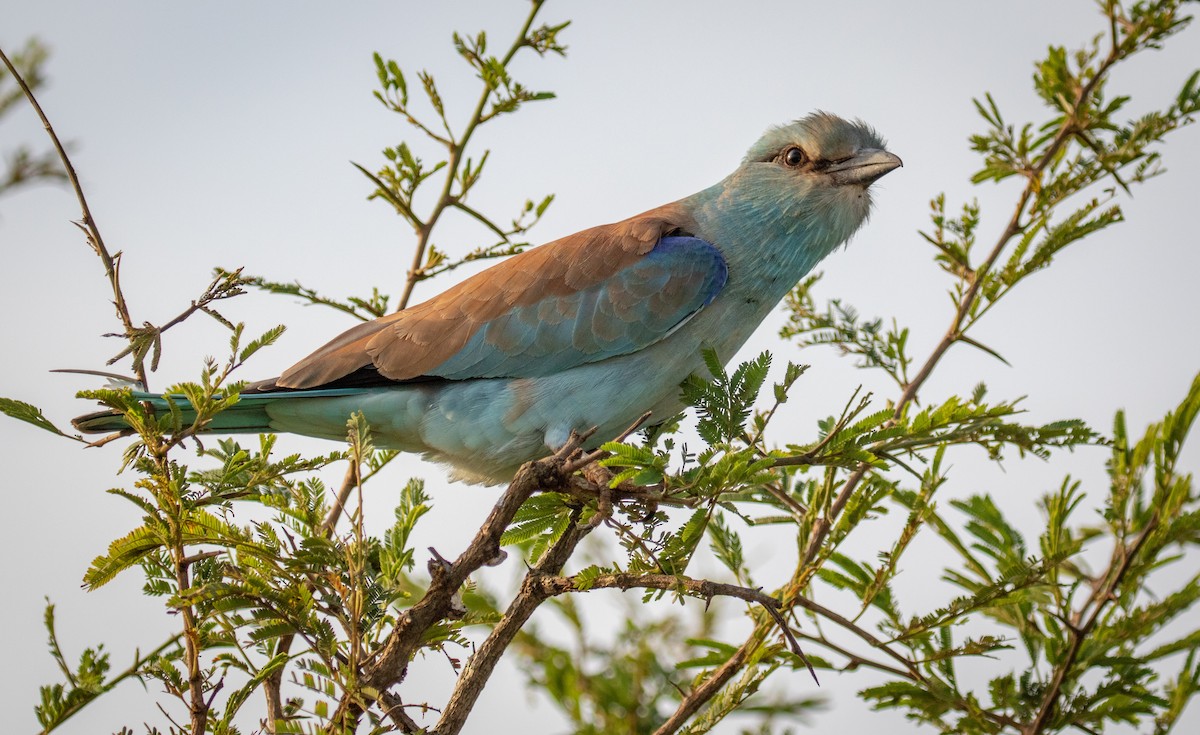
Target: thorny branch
<point>555,474</point>
<point>701,588</point>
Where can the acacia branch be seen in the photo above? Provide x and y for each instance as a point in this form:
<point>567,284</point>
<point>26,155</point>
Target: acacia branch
<point>1104,594</point>
<point>505,237</point>
<point>394,709</point>
<point>89,226</point>
<point>198,707</point>
<point>582,490</point>
<point>456,147</point>
<point>911,670</point>
<point>351,480</point>
<point>1067,130</point>
<point>273,683</point>
<point>134,669</point>
<point>700,588</point>
<point>707,689</point>
<point>851,626</point>
<point>854,659</point>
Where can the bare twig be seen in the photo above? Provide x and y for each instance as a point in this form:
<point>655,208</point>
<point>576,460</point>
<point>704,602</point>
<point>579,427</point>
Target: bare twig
<point>776,491</point>
<point>350,481</point>
<point>855,660</point>
<point>110,438</point>
<point>393,708</point>
<point>848,414</point>
<point>852,627</point>
<point>200,556</point>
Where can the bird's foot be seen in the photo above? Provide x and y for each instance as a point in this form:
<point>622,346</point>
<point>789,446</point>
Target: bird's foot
<point>601,478</point>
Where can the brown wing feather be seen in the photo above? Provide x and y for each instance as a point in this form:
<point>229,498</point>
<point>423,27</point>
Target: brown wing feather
<point>413,342</point>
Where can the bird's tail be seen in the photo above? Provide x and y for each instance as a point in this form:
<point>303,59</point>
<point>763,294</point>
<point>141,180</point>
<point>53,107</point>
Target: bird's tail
<point>247,416</point>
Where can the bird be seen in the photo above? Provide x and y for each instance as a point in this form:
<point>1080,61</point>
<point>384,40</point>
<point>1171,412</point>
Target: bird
<point>589,331</point>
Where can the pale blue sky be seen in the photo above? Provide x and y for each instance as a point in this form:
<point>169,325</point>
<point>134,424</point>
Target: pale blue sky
<point>221,134</point>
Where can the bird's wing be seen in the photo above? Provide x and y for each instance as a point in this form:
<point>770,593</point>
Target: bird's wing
<point>608,291</point>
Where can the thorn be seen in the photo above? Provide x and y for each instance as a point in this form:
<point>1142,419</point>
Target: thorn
<point>99,373</point>
<point>438,559</point>
<point>985,348</point>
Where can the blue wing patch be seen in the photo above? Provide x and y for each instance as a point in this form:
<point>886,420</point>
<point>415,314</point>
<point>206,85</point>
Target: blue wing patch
<point>632,309</point>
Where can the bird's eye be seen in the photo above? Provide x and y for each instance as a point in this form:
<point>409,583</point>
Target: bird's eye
<point>793,157</point>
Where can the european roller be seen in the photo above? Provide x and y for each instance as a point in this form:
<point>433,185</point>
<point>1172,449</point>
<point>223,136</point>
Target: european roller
<point>591,330</point>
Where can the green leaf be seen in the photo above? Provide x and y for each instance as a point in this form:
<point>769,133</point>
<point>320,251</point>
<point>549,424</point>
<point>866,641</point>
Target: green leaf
<point>725,402</point>
<point>586,577</point>
<point>30,414</point>
<point>678,548</point>
<point>727,546</point>
<point>536,516</point>
<point>265,340</point>
<point>122,553</point>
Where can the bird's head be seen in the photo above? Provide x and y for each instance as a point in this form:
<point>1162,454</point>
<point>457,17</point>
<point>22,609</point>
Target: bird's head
<point>809,181</point>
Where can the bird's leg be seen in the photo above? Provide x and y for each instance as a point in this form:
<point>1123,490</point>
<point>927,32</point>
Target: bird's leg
<point>600,477</point>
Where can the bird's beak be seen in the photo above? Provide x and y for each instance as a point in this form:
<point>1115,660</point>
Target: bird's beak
<point>864,167</point>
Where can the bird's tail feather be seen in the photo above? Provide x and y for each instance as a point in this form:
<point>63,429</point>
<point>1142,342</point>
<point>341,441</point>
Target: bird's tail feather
<point>247,416</point>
